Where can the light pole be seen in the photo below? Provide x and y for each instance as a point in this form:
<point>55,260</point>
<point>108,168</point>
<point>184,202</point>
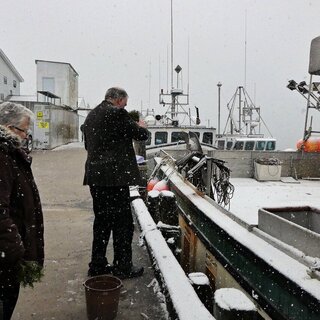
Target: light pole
<point>219,89</point>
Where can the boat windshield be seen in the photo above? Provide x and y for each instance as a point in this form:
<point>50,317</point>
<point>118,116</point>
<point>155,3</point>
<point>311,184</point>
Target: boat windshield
<point>238,145</point>
<point>260,145</point>
<point>229,145</point>
<point>271,145</point>
<point>148,142</point>
<point>249,145</point>
<point>220,144</point>
<point>178,136</point>
<point>207,137</point>
<point>161,137</point>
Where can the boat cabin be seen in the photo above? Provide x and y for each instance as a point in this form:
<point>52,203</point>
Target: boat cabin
<point>248,144</point>
<point>159,136</point>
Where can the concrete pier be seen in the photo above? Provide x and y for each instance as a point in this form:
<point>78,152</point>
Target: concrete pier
<point>68,219</point>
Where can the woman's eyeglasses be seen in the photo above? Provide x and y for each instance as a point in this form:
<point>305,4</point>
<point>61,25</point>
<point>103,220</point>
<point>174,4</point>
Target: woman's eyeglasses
<point>21,130</point>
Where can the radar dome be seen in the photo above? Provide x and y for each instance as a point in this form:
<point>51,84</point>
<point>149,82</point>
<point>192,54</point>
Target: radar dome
<point>150,120</point>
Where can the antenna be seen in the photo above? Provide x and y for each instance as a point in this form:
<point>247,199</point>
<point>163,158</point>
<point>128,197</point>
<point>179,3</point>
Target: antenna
<point>245,50</point>
<point>149,81</point>
<point>159,72</point>
<point>188,64</point>
<point>167,69</point>
<point>171,46</point>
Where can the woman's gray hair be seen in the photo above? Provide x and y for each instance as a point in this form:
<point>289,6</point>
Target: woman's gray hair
<point>115,93</point>
<point>13,113</point>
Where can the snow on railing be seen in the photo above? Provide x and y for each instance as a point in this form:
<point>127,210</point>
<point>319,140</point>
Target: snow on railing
<point>185,301</point>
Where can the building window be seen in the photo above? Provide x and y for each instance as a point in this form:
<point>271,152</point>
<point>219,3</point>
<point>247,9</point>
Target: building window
<point>2,96</point>
<point>5,80</point>
<point>14,83</point>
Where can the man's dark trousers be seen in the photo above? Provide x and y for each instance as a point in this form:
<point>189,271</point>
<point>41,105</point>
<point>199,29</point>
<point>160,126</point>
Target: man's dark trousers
<point>8,299</point>
<point>111,206</point>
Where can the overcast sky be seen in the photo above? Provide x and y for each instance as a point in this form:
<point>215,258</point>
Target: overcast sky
<point>126,43</point>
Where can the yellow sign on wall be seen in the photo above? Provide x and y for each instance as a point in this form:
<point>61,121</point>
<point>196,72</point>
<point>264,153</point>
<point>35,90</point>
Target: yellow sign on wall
<point>39,114</point>
<point>43,125</point>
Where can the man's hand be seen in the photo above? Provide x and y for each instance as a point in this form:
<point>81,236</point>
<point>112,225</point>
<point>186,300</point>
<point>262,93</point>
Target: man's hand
<point>142,124</point>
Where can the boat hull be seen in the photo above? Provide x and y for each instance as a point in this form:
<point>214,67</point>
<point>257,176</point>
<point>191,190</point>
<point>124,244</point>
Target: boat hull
<point>277,296</point>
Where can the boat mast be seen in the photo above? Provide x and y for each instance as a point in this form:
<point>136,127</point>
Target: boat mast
<point>171,98</point>
<point>171,46</point>
<point>245,52</point>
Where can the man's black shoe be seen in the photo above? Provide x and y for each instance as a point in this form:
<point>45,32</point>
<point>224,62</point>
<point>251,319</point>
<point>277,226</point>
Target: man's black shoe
<point>133,272</point>
<point>92,272</point>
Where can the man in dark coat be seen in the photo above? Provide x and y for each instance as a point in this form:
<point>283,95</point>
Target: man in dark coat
<point>21,220</point>
<point>109,171</point>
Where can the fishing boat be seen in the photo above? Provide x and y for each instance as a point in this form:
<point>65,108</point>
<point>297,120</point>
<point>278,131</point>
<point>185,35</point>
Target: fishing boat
<point>171,128</point>
<point>266,243</point>
<point>248,224</point>
<point>243,133</point>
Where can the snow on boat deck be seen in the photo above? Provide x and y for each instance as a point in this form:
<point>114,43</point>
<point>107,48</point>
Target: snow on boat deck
<point>250,195</point>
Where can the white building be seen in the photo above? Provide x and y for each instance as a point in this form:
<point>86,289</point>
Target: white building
<point>58,79</point>
<point>10,78</point>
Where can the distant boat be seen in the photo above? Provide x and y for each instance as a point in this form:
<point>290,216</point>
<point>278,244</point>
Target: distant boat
<point>172,127</point>
<point>244,131</point>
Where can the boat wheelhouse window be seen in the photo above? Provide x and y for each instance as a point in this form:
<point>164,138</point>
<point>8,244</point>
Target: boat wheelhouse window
<point>160,137</point>
<point>207,137</point>
<point>178,136</point>
<point>197,133</point>
<point>271,145</point>
<point>238,145</point>
<point>249,145</point>
<point>260,145</point>
<point>148,142</point>
<point>220,144</point>
<point>229,145</point>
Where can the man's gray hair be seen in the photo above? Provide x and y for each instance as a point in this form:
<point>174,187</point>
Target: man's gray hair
<point>115,93</point>
<point>13,113</point>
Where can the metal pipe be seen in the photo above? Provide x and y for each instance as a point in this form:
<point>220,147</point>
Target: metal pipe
<point>307,113</point>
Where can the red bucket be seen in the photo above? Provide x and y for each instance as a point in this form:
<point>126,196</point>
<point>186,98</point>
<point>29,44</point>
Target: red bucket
<point>102,297</point>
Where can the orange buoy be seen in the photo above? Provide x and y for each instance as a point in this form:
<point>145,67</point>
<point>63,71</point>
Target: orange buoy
<point>310,145</point>
<point>161,185</point>
<point>152,183</point>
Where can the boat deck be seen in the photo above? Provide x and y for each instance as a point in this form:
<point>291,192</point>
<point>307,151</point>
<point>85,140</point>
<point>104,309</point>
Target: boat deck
<point>250,195</point>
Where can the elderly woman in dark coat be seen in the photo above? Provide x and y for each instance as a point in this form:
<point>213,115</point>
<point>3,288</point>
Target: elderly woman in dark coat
<point>21,220</point>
